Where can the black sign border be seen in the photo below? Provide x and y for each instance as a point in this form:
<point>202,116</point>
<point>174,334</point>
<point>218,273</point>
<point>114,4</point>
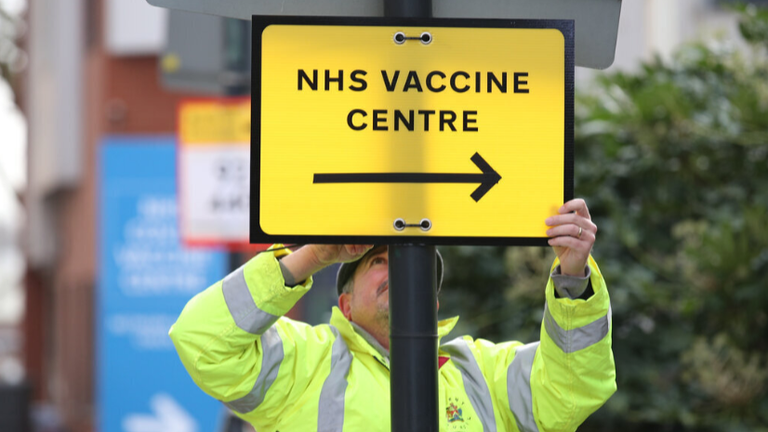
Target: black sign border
<point>261,22</point>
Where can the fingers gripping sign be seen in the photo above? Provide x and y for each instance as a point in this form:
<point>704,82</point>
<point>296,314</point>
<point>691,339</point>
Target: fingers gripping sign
<point>572,235</point>
<point>329,254</point>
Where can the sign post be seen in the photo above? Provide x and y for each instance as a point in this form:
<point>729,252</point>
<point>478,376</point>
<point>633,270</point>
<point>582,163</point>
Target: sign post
<point>413,340</point>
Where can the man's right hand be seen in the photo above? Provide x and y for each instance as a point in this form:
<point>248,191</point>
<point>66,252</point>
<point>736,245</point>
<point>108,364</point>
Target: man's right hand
<point>331,254</point>
<point>308,260</point>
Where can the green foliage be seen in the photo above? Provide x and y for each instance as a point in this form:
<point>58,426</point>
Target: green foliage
<point>9,51</point>
<point>673,161</point>
<point>754,23</point>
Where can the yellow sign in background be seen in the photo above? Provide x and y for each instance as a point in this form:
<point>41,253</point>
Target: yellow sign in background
<point>215,121</point>
<point>517,128</point>
<point>213,166</point>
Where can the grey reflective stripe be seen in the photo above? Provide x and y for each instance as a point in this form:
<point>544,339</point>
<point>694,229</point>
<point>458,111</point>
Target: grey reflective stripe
<point>519,387</point>
<point>474,382</point>
<point>241,306</point>
<point>272,349</point>
<point>579,338</point>
<point>330,416</point>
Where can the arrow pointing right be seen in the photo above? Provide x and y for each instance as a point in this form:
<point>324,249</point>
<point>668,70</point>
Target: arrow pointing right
<point>169,417</point>
<point>487,179</point>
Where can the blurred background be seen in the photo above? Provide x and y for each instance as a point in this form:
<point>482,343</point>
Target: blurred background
<point>124,191</point>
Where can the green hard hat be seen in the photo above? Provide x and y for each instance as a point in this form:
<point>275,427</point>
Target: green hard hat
<point>347,270</point>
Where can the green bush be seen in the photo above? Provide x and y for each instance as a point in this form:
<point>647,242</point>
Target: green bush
<point>673,161</point>
<point>9,51</point>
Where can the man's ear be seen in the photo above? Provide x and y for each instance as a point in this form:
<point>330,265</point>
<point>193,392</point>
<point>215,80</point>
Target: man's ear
<point>345,305</point>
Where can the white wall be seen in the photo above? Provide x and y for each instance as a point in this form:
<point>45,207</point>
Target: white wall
<point>133,27</point>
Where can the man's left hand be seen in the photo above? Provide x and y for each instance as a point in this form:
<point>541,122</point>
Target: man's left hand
<point>573,235</point>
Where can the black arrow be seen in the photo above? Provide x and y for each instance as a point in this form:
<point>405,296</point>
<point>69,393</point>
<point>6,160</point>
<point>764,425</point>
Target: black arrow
<point>487,179</point>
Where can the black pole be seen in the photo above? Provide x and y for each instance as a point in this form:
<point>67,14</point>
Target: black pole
<point>413,338</point>
<point>412,310</point>
<point>408,8</point>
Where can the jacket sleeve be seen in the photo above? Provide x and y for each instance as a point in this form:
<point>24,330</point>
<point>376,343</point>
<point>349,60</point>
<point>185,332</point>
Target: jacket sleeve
<point>237,347</point>
<point>556,383</point>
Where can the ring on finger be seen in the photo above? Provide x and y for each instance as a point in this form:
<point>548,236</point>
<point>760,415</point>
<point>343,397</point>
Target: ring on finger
<point>579,234</point>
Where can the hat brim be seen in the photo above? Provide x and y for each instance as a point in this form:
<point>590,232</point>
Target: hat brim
<point>347,270</point>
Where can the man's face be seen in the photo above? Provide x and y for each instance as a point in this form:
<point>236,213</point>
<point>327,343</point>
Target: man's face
<point>369,303</point>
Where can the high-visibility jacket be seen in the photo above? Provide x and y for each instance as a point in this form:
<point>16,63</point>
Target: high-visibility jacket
<point>287,376</point>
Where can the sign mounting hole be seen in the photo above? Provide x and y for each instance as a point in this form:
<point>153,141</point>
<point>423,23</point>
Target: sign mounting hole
<point>399,38</point>
<point>425,224</point>
<point>399,224</point>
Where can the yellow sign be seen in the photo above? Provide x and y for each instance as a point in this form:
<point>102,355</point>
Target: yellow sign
<point>215,121</point>
<point>213,165</point>
<point>443,133</point>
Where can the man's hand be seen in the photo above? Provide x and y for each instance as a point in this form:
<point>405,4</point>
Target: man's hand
<point>573,235</point>
<point>326,254</point>
<point>310,259</point>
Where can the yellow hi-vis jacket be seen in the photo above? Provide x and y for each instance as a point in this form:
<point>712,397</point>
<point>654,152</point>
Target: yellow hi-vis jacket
<point>287,376</point>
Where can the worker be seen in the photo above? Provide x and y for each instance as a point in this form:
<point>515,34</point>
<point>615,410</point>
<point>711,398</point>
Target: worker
<point>282,375</point>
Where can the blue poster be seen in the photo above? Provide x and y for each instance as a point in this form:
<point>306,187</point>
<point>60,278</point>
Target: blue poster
<point>145,278</point>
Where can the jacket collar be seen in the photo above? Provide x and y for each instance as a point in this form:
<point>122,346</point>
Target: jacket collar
<point>359,340</point>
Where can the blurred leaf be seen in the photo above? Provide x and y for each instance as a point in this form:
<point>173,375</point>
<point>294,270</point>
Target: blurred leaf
<point>9,51</point>
<point>754,23</point>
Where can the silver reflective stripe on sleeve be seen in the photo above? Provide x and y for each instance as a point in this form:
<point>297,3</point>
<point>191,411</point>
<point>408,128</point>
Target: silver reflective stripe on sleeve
<point>579,338</point>
<point>272,356</point>
<point>519,387</point>
<point>474,382</point>
<point>241,306</point>
<point>330,416</point>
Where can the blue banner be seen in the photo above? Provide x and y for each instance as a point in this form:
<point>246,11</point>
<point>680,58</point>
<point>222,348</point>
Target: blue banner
<point>145,278</point>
